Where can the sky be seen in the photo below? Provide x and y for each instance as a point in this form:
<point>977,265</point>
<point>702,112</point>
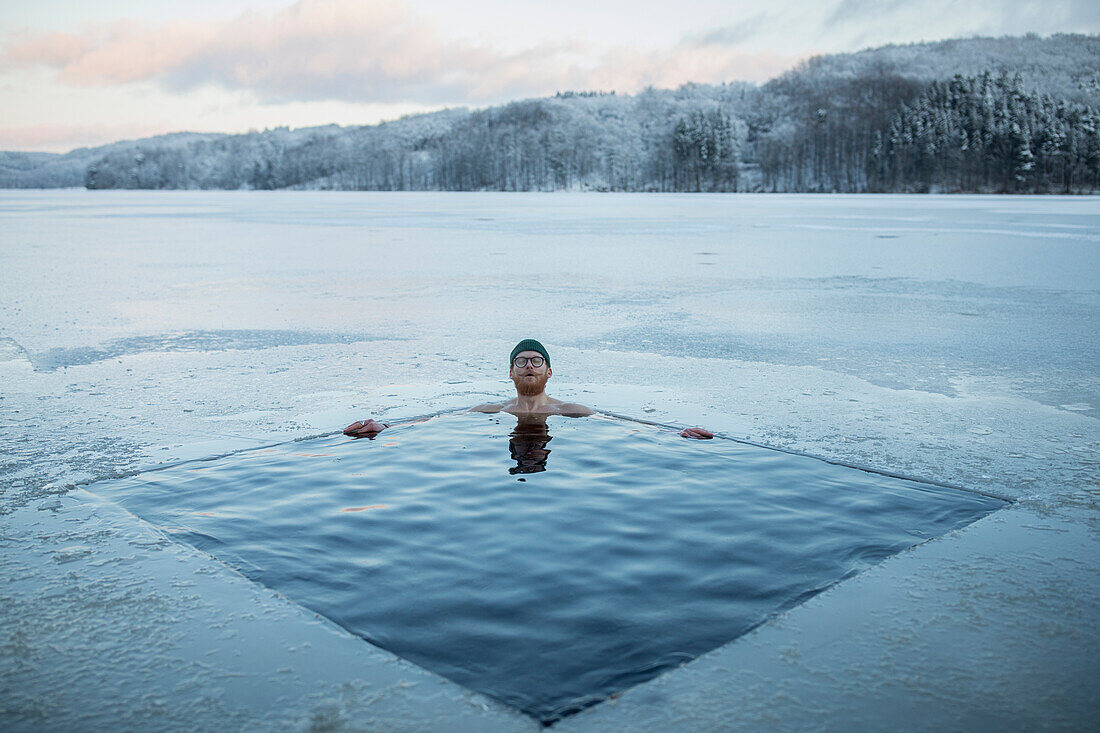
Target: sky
<point>75,73</point>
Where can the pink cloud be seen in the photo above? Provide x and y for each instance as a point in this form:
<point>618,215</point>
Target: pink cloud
<point>360,52</point>
<point>63,138</point>
<point>46,49</point>
<point>691,60</point>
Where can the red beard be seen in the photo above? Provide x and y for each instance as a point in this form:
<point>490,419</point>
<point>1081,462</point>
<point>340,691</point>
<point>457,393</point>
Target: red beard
<point>530,387</point>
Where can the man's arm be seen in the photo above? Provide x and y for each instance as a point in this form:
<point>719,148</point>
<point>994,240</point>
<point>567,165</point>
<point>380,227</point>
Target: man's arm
<point>369,428</point>
<point>697,433</point>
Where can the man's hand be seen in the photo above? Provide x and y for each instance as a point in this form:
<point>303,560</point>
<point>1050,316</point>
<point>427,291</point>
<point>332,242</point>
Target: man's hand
<point>697,433</point>
<point>365,428</point>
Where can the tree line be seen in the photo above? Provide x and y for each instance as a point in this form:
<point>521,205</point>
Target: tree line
<point>987,133</point>
<point>686,140</point>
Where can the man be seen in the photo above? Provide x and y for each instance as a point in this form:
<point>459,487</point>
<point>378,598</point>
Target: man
<point>529,369</point>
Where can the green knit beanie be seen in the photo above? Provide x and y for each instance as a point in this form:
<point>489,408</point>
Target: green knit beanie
<point>529,345</point>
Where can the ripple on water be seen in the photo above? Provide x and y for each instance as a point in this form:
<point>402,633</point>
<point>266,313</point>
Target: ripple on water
<point>547,564</point>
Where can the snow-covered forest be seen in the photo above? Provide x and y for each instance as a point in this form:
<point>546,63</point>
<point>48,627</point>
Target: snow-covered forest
<point>1011,115</point>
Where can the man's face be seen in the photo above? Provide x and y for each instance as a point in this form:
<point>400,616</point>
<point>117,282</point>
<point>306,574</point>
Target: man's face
<point>529,379</point>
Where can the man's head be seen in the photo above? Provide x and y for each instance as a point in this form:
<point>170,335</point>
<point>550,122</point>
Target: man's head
<point>529,367</point>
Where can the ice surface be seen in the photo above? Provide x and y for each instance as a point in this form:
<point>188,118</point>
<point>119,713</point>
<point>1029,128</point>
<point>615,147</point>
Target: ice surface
<point>949,338</point>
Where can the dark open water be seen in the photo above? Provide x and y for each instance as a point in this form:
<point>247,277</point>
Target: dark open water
<point>549,564</point>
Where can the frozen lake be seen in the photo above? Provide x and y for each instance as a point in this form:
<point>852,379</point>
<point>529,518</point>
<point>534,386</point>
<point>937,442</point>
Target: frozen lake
<point>949,338</point>
<point>931,334</point>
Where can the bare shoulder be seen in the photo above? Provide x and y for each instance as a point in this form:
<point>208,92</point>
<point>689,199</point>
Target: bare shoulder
<point>488,407</point>
<point>572,409</point>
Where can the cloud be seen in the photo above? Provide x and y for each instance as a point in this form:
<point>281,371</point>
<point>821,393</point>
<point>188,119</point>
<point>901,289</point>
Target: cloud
<point>859,11</point>
<point>63,138</point>
<point>696,60</point>
<point>935,19</point>
<point>731,35</point>
<point>360,52</point>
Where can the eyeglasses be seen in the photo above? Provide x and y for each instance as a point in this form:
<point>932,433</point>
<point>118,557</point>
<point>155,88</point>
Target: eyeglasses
<point>522,361</point>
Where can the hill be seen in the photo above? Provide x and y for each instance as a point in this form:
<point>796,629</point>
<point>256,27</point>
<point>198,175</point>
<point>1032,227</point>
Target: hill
<point>1014,114</point>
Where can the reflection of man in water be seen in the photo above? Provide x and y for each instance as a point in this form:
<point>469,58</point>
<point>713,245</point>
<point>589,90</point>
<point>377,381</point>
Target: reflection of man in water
<point>529,369</point>
<point>527,444</point>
